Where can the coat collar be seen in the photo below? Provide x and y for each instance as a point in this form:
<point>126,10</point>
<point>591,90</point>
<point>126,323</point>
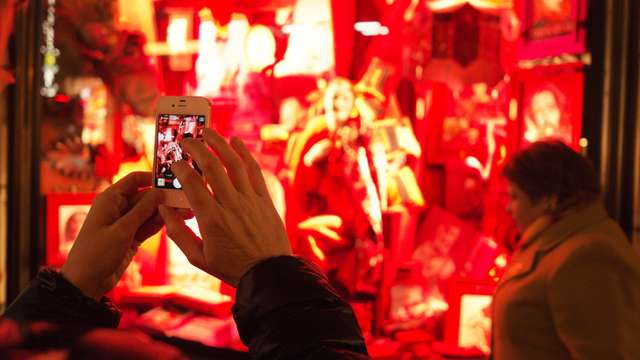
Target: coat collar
<point>542,236</point>
<point>545,235</point>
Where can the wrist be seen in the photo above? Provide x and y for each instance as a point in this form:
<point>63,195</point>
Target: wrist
<point>67,304</point>
<point>87,287</point>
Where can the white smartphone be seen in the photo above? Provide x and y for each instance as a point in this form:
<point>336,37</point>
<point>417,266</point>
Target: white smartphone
<point>177,118</point>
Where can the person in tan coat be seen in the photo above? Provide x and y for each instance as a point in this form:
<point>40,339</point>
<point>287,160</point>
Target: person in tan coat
<point>572,289</point>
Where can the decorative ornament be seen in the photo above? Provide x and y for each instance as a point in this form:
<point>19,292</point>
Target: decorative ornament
<point>374,80</point>
<point>50,64</point>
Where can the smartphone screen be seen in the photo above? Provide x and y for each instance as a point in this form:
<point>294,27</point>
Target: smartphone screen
<point>172,130</point>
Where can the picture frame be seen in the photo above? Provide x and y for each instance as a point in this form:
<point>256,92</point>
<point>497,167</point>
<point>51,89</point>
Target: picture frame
<point>65,215</point>
<point>468,320</point>
<point>551,28</point>
<point>550,104</point>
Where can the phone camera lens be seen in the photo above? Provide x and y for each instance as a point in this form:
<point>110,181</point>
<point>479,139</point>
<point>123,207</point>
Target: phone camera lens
<point>173,105</point>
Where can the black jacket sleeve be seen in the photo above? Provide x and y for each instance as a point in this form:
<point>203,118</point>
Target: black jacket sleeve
<point>52,299</point>
<point>286,309</point>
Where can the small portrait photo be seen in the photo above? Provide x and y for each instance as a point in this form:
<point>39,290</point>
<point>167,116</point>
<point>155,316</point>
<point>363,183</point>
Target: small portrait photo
<point>468,320</point>
<point>66,213</point>
<point>70,220</point>
<point>549,107</point>
<point>475,322</point>
<point>545,115</point>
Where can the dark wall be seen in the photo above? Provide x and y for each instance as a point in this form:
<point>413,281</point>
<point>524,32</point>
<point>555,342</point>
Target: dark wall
<point>611,105</point>
<point>24,240</point>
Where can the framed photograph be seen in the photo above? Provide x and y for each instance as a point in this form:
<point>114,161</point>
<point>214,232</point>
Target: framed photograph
<point>65,216</point>
<point>468,321</point>
<point>550,104</point>
<point>552,27</point>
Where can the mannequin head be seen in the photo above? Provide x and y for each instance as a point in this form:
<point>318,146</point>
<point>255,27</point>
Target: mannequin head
<point>338,103</point>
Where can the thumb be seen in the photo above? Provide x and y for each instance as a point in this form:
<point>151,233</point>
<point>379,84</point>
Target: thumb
<point>141,212</point>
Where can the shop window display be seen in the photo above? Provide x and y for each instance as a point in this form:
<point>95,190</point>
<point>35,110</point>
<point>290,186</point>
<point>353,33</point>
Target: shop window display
<point>334,171</point>
<point>387,174</point>
<point>552,27</point>
<point>549,105</point>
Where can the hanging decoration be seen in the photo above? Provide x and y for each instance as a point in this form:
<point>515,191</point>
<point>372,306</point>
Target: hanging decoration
<point>466,48</point>
<point>552,28</point>
<point>50,64</point>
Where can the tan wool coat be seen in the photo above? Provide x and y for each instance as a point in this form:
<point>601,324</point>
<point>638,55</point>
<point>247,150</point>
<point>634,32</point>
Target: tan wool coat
<point>571,291</point>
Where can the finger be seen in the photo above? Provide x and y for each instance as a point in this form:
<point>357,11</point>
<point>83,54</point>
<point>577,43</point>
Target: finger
<point>182,236</point>
<point>231,160</point>
<point>223,189</point>
<point>141,212</point>
<point>107,208</point>
<point>149,228</point>
<point>193,186</point>
<point>118,198</point>
<point>251,165</point>
<point>134,199</point>
<point>130,184</point>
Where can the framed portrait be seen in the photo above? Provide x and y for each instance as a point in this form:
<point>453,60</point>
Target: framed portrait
<point>552,27</point>
<point>66,214</point>
<point>468,321</point>
<point>550,104</point>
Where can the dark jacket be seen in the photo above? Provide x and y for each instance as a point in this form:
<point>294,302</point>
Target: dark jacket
<point>285,309</point>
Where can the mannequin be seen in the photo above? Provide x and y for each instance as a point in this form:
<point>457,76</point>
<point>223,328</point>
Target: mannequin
<point>334,212</point>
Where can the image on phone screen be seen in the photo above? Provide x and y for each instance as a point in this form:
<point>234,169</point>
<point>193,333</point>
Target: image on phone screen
<point>172,130</point>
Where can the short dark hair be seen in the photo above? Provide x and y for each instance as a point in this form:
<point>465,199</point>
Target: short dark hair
<point>546,168</point>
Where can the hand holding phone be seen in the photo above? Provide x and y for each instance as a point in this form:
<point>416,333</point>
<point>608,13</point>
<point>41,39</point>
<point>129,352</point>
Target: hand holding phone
<point>239,225</point>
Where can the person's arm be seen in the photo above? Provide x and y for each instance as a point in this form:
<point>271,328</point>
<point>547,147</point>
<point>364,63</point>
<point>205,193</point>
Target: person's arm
<point>53,299</point>
<point>594,297</point>
<point>285,309</point>
<point>121,218</point>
